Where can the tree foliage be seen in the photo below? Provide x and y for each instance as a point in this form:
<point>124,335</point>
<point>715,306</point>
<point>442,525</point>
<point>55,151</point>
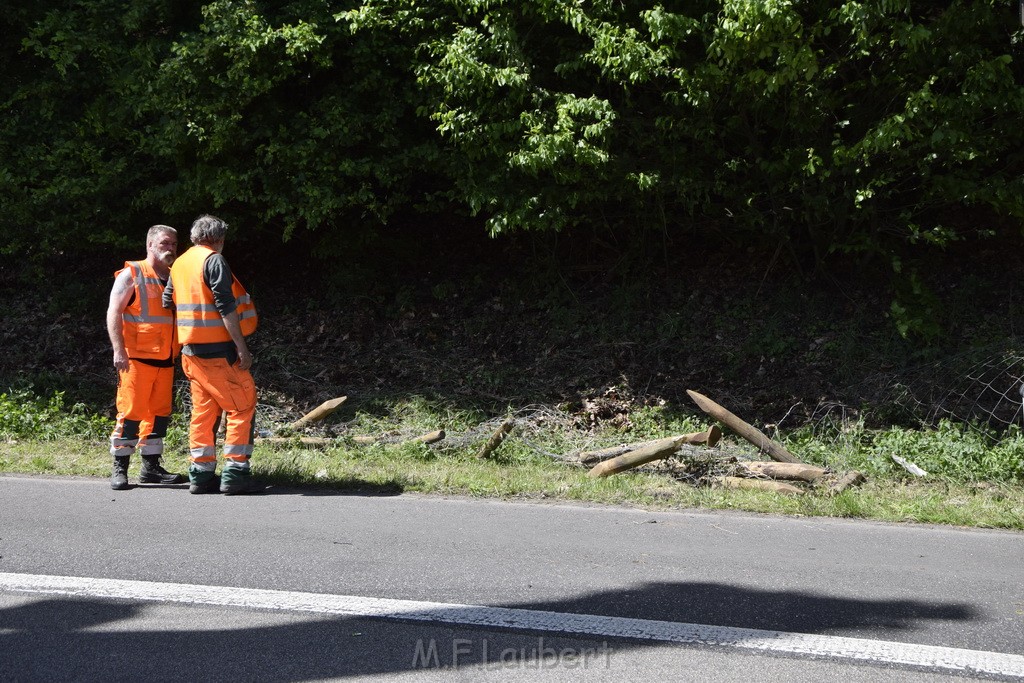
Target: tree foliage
<point>859,126</point>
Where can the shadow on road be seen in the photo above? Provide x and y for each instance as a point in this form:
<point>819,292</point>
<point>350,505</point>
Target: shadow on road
<point>82,639</point>
<point>724,605</point>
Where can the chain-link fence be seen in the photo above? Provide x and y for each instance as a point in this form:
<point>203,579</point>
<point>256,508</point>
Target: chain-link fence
<point>980,389</point>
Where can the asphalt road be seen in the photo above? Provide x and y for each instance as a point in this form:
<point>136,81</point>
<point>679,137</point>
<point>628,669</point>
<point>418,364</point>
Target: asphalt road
<point>907,585</point>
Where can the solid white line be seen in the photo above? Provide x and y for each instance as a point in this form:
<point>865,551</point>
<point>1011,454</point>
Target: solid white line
<point>933,657</point>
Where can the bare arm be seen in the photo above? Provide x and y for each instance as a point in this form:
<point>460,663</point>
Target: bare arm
<point>120,294</point>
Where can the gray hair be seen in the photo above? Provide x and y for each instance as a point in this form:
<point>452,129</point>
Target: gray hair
<point>207,230</point>
<point>158,230</point>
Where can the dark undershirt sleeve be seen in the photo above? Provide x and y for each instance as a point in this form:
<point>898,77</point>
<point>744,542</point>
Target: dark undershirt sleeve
<point>168,297</point>
<point>217,275</point>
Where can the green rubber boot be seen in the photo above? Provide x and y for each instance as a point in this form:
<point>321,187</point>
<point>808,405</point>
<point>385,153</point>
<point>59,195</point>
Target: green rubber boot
<point>203,481</point>
<point>236,480</point>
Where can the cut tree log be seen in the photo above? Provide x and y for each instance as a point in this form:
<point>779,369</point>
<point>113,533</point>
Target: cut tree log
<point>783,470</point>
<point>761,485</point>
<point>774,450</point>
<point>656,450</point>
<point>429,437</point>
<point>318,413</point>
<point>603,454</point>
<point>304,440</point>
<point>499,435</point>
<point>848,480</point>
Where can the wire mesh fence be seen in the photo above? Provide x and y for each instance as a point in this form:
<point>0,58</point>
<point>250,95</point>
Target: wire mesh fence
<point>981,391</point>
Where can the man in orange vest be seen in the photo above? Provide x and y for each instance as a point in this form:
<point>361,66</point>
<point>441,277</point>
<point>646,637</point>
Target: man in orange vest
<point>214,316</point>
<point>145,345</point>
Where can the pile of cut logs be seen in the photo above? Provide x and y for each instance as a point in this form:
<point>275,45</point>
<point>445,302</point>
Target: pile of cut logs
<point>783,474</point>
<point>779,474</point>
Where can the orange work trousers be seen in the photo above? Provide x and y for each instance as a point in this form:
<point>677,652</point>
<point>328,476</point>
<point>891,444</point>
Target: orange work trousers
<point>219,387</point>
<point>143,409</point>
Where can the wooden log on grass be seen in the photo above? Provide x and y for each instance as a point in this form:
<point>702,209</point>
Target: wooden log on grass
<point>848,480</point>
<point>429,437</point>
<point>304,440</point>
<point>761,485</point>
<point>783,470</point>
<point>655,450</point>
<point>774,450</point>
<point>499,435</point>
<point>318,413</point>
<point>602,454</point>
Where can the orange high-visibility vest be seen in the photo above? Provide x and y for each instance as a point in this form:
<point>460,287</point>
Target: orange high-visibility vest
<point>199,321</point>
<point>147,327</point>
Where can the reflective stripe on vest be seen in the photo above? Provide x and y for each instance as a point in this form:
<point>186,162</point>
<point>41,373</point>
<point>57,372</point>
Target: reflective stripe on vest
<point>147,327</point>
<point>199,321</point>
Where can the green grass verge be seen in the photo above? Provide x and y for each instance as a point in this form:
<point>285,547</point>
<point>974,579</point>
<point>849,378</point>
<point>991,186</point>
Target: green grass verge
<point>974,480</point>
<point>388,470</point>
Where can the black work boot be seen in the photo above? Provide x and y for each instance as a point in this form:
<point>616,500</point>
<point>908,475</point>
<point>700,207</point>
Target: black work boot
<point>153,473</point>
<point>119,475</point>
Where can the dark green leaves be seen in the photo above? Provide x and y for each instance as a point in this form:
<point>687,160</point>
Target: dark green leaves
<point>859,126</point>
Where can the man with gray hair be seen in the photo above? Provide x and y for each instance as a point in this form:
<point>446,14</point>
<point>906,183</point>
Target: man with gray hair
<point>145,345</point>
<point>214,316</point>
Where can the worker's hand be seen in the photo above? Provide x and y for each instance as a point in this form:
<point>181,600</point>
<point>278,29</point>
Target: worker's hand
<point>244,358</point>
<point>120,360</point>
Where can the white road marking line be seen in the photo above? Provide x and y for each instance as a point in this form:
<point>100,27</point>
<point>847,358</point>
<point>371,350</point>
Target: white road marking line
<point>930,656</point>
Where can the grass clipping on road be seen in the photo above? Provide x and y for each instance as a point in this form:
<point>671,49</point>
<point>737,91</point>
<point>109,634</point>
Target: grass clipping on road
<point>537,462</point>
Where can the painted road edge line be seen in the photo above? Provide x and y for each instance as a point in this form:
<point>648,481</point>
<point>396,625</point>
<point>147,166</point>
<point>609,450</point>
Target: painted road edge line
<point>866,650</point>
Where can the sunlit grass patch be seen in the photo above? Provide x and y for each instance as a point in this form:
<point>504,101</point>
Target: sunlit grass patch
<point>971,482</point>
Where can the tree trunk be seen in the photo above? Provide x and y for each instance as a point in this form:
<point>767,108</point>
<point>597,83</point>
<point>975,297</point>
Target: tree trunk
<point>318,413</point>
<point>656,450</point>
<point>783,470</point>
<point>496,438</point>
<point>848,480</point>
<point>304,440</point>
<point>594,457</point>
<point>708,437</point>
<point>429,437</point>
<point>775,450</point>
